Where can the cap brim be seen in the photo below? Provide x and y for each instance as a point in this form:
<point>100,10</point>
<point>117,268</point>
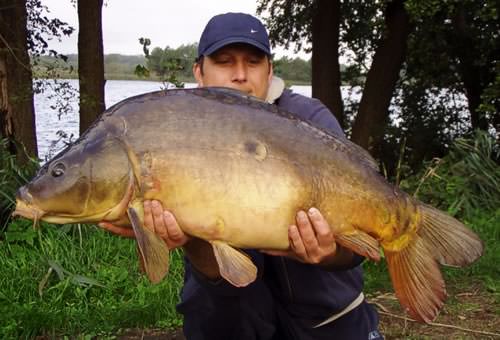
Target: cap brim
<point>218,45</point>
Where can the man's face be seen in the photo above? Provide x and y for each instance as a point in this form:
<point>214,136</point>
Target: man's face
<point>238,66</point>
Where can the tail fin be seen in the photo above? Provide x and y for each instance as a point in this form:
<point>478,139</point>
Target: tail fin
<point>414,270</point>
<point>452,243</point>
<point>417,280</point>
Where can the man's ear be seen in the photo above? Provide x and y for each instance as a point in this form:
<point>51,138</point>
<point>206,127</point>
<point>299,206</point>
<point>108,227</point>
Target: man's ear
<point>271,73</point>
<point>197,74</point>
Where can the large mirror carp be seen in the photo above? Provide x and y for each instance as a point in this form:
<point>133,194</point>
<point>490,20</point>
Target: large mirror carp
<point>234,171</point>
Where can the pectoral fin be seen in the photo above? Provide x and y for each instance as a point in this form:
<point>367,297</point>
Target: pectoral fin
<point>360,243</point>
<point>234,266</point>
<point>152,249</point>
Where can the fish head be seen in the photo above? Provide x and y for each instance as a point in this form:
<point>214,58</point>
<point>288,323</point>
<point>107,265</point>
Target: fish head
<point>87,182</point>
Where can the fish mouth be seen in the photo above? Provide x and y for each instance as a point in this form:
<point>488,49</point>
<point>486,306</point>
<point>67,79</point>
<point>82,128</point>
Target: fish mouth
<point>28,211</point>
<point>36,214</point>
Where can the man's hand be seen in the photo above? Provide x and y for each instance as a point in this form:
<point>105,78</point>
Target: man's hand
<point>163,223</point>
<point>159,221</point>
<point>312,241</point>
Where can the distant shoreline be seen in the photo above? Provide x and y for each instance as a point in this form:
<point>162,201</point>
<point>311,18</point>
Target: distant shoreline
<point>132,77</point>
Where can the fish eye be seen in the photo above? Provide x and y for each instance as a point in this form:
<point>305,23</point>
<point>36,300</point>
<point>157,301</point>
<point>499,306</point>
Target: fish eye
<point>58,170</point>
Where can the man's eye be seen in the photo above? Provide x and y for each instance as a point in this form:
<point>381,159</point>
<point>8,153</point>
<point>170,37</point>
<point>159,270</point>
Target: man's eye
<point>222,61</point>
<point>254,61</point>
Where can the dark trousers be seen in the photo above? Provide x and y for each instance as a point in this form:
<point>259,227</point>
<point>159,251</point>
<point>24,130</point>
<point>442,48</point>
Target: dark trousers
<point>256,315</point>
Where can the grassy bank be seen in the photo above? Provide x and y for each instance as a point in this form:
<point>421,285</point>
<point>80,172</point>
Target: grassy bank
<point>71,280</point>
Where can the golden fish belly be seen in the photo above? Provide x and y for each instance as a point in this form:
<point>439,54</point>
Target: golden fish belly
<point>237,197</point>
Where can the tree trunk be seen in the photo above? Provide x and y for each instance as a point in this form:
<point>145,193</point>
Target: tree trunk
<point>470,71</point>
<point>17,114</point>
<point>90,62</point>
<point>325,56</point>
<point>382,77</point>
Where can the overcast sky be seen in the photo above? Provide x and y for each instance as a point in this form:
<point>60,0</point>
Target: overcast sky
<point>165,22</point>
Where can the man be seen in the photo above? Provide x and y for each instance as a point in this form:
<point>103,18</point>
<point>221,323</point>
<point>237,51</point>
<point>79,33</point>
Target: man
<point>311,291</point>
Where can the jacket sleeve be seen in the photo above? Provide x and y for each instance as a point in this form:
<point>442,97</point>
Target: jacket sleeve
<point>310,109</point>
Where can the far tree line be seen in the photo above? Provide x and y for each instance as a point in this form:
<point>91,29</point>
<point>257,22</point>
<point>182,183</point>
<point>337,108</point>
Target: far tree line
<point>163,61</point>
<point>427,71</point>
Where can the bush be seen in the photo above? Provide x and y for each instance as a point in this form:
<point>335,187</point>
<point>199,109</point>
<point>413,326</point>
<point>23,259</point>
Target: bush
<point>466,179</point>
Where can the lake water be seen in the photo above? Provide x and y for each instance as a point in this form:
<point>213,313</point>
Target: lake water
<point>48,123</point>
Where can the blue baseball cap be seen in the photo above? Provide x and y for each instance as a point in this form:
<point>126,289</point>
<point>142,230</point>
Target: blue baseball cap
<point>230,28</point>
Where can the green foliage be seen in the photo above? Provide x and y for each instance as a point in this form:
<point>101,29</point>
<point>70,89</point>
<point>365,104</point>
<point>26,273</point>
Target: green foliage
<point>466,179</point>
<point>12,177</point>
<point>288,22</point>
<point>486,223</point>
<point>116,65</point>
<point>67,280</point>
<point>295,69</point>
<point>168,64</point>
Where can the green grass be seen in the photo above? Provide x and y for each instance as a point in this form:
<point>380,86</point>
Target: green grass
<point>56,281</point>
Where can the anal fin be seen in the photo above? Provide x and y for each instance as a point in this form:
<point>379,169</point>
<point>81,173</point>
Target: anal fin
<point>153,250</point>
<point>234,266</point>
<point>361,243</point>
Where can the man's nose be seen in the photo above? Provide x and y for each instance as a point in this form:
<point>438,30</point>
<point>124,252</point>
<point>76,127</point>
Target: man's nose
<point>240,72</point>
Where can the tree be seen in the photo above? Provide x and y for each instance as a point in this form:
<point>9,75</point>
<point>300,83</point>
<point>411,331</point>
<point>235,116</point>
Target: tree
<point>381,79</point>
<point>325,56</point>
<point>436,91</point>
<point>295,69</point>
<point>90,61</point>
<point>17,118</point>
<point>172,63</point>
<point>317,21</point>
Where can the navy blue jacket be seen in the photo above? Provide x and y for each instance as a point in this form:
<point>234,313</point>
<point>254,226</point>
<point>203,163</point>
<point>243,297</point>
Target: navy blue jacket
<point>286,292</point>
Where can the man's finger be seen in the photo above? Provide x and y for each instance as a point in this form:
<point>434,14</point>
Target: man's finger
<point>174,232</point>
<point>296,242</point>
<point>306,231</point>
<point>323,232</point>
<point>158,223</point>
<point>148,216</point>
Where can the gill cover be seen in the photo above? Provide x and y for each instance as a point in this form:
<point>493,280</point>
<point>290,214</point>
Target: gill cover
<point>81,183</point>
